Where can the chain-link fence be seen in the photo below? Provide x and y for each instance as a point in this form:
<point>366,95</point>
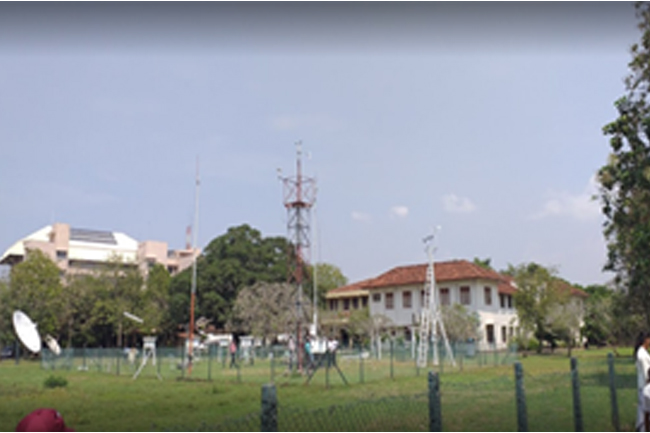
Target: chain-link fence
<point>275,363</point>
<point>593,395</point>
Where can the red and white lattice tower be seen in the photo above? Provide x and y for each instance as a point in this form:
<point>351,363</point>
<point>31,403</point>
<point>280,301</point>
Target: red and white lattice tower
<point>299,197</point>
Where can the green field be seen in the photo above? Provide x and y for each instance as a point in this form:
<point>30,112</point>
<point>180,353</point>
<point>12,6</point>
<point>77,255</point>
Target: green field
<point>479,398</point>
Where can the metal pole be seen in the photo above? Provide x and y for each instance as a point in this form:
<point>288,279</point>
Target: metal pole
<point>193,294</point>
<point>577,408</point>
<point>612,392</point>
<point>435,412</point>
<point>522,416</point>
<point>269,417</point>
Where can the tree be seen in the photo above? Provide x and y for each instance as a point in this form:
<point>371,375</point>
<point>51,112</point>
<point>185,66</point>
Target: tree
<point>35,288</point>
<point>539,292</point>
<point>625,179</point>
<point>239,258</point>
<point>598,328</point>
<point>328,277</point>
<point>485,263</point>
<point>460,324</point>
<point>266,310</point>
<point>155,302</point>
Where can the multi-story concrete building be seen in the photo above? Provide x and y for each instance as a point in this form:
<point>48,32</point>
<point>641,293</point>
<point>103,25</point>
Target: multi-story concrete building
<point>399,293</point>
<point>77,250</point>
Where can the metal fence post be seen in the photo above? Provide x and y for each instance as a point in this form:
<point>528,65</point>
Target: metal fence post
<point>391,358</point>
<point>117,367</point>
<point>183,366</point>
<point>272,356</point>
<point>522,417</point>
<point>17,351</point>
<point>577,408</point>
<point>269,418</point>
<point>360,363</point>
<point>327,368</point>
<point>435,413</point>
<point>612,392</point>
<point>210,347</point>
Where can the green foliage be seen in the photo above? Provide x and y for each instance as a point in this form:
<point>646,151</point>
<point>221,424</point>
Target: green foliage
<point>625,179</point>
<point>265,310</point>
<point>35,288</point>
<point>239,258</point>
<point>460,324</point>
<point>539,301</point>
<point>485,263</point>
<point>55,382</point>
<point>328,277</point>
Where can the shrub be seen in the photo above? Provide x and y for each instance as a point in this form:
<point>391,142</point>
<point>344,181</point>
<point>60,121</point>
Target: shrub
<point>55,382</point>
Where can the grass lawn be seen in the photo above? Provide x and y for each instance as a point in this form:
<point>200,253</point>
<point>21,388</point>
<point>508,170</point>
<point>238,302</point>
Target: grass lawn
<point>476,399</point>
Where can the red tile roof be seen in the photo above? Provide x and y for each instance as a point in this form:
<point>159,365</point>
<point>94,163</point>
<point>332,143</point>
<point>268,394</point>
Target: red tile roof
<point>454,270</point>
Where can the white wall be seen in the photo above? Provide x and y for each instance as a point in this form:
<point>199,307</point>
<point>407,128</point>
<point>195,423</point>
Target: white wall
<point>488,314</point>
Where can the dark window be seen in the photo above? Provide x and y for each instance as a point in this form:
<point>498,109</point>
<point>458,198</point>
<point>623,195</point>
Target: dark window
<point>422,299</point>
<point>509,301</point>
<point>502,300</point>
<point>389,301</point>
<point>376,297</point>
<point>504,336</point>
<point>488,295</point>
<point>61,254</point>
<point>465,296</point>
<point>346,304</point>
<point>355,303</point>
<point>489,332</point>
<point>333,305</point>
<point>406,299</point>
<point>444,297</point>
<point>364,302</point>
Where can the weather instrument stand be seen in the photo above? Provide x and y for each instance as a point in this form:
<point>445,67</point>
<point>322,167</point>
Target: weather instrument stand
<point>149,352</point>
<point>431,319</point>
<point>331,361</point>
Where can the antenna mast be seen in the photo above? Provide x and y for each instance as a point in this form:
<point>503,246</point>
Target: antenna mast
<point>299,197</point>
<point>431,317</point>
<point>193,293</point>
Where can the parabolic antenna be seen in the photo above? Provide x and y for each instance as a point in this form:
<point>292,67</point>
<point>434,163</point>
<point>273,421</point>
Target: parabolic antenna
<point>53,344</point>
<point>26,331</point>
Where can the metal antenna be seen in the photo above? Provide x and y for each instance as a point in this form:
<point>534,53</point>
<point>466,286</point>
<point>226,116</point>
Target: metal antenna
<point>431,317</point>
<point>193,294</point>
<point>299,197</point>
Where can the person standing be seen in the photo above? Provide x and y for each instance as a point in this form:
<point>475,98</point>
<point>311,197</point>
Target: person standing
<point>233,353</point>
<point>642,365</point>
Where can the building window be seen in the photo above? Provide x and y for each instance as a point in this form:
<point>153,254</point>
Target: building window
<point>509,301</point>
<point>346,304</point>
<point>364,302</point>
<point>504,336</point>
<point>355,303</point>
<point>61,254</point>
<point>333,304</point>
<point>444,297</point>
<point>406,299</point>
<point>422,299</point>
<point>502,300</point>
<point>488,295</point>
<point>376,297</point>
<point>465,297</point>
<point>489,333</point>
<point>389,301</point>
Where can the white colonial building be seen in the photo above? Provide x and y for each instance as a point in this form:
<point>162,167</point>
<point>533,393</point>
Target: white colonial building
<point>399,293</point>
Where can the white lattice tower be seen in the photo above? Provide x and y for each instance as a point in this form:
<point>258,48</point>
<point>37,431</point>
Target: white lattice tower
<point>431,316</point>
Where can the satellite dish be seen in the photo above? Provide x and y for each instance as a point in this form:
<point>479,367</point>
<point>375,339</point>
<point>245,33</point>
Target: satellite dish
<point>26,331</point>
<point>52,344</point>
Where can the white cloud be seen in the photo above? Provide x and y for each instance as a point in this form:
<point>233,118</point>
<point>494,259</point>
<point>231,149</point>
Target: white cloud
<point>580,206</point>
<point>360,216</point>
<point>399,211</point>
<point>455,204</point>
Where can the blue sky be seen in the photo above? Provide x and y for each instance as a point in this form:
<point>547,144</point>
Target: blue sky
<point>483,119</point>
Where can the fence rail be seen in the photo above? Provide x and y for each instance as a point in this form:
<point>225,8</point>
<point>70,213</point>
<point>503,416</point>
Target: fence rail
<point>584,397</point>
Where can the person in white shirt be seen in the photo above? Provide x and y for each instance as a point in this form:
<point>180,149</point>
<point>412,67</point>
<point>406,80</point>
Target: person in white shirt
<point>646,404</point>
<point>642,366</point>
